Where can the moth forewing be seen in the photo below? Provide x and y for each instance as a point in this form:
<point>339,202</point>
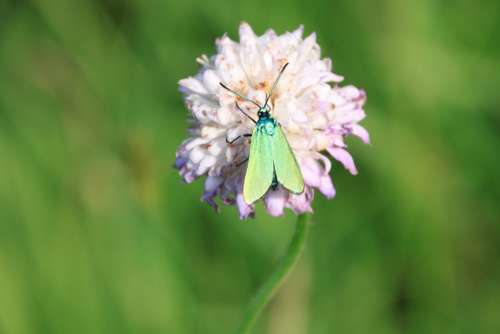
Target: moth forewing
<point>285,164</point>
<point>260,170</point>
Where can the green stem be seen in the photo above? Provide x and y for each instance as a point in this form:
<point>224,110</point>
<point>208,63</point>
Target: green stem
<point>273,283</point>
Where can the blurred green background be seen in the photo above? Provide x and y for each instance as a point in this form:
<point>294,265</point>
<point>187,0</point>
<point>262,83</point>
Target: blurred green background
<point>99,235</point>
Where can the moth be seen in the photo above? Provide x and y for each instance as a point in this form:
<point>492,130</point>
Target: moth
<point>271,161</point>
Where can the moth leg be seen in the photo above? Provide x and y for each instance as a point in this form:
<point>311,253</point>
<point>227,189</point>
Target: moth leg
<point>235,139</point>
<point>241,162</point>
<point>244,113</point>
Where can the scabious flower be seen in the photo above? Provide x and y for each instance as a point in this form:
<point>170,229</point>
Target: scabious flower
<point>315,113</point>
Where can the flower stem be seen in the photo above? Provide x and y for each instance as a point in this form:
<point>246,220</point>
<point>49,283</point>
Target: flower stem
<point>278,276</point>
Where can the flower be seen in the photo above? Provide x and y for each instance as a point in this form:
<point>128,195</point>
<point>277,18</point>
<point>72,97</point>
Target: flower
<point>314,111</point>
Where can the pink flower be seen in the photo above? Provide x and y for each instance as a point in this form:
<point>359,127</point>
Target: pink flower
<point>314,111</point>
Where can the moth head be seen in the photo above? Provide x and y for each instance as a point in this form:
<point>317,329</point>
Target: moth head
<point>264,111</point>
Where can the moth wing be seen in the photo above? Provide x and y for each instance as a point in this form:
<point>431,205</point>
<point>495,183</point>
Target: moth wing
<point>260,170</point>
<point>285,164</point>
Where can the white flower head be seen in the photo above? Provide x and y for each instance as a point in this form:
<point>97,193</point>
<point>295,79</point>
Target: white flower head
<point>314,111</point>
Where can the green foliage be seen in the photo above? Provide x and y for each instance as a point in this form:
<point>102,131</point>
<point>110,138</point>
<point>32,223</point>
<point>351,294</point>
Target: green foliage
<point>99,235</point>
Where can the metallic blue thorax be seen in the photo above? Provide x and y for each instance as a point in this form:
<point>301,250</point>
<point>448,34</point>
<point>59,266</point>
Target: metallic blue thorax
<point>266,124</point>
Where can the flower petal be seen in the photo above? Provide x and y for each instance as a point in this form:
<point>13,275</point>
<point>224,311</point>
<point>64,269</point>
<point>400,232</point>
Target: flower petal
<point>211,81</point>
<point>361,133</point>
<point>343,157</point>
<point>311,171</point>
<point>192,85</point>
<point>275,201</point>
<point>246,210</point>
<point>301,203</point>
<point>326,186</point>
<point>212,183</point>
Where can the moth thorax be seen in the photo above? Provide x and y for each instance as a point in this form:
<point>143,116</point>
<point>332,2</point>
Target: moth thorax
<point>269,128</point>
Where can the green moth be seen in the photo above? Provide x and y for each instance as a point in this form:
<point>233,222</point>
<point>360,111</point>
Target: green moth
<point>271,161</point>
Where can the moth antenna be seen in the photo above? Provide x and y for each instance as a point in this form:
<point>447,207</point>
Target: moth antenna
<point>239,95</point>
<point>275,83</point>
